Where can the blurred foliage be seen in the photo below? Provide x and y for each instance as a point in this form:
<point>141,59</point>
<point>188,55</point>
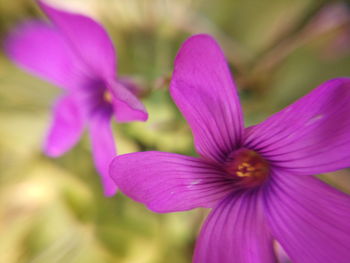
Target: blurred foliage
<point>53,210</point>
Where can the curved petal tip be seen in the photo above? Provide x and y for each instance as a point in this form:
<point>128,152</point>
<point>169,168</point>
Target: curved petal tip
<point>109,187</point>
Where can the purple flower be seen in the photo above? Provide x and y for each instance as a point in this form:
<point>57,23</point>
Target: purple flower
<point>75,53</point>
<point>258,180</point>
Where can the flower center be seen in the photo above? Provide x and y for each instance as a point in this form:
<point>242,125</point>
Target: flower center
<point>107,96</point>
<point>248,167</point>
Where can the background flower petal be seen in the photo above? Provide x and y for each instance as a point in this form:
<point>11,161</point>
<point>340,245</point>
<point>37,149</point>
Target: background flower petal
<point>40,49</point>
<point>310,219</point>
<point>127,107</point>
<point>203,89</point>
<point>310,136</point>
<point>66,128</point>
<point>103,146</point>
<point>168,182</point>
<point>235,231</point>
<point>87,38</point>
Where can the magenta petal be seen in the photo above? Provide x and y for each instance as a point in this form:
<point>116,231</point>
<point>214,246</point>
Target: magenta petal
<point>310,136</point>
<point>235,231</point>
<point>203,90</point>
<point>41,50</point>
<point>103,147</point>
<point>127,107</point>
<point>168,182</point>
<point>310,219</point>
<point>87,38</point>
<point>66,128</point>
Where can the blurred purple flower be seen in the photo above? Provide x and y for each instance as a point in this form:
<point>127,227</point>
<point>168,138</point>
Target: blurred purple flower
<point>76,54</point>
<point>259,180</point>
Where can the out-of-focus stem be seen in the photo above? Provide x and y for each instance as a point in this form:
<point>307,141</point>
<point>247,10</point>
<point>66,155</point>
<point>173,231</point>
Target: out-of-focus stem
<point>317,27</point>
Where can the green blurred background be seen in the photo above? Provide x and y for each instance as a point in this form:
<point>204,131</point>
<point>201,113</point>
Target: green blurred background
<point>53,210</point>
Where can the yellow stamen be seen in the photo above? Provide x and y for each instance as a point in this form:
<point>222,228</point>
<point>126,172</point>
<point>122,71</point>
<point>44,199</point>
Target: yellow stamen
<point>245,164</point>
<point>249,168</point>
<point>240,174</point>
<point>107,96</point>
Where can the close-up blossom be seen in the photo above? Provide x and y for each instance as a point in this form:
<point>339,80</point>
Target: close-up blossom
<point>123,142</point>
<point>259,181</point>
<point>75,53</point>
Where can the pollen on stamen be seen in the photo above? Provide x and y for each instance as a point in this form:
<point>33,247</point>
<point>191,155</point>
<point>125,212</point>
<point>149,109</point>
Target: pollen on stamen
<point>107,96</point>
<point>248,167</point>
